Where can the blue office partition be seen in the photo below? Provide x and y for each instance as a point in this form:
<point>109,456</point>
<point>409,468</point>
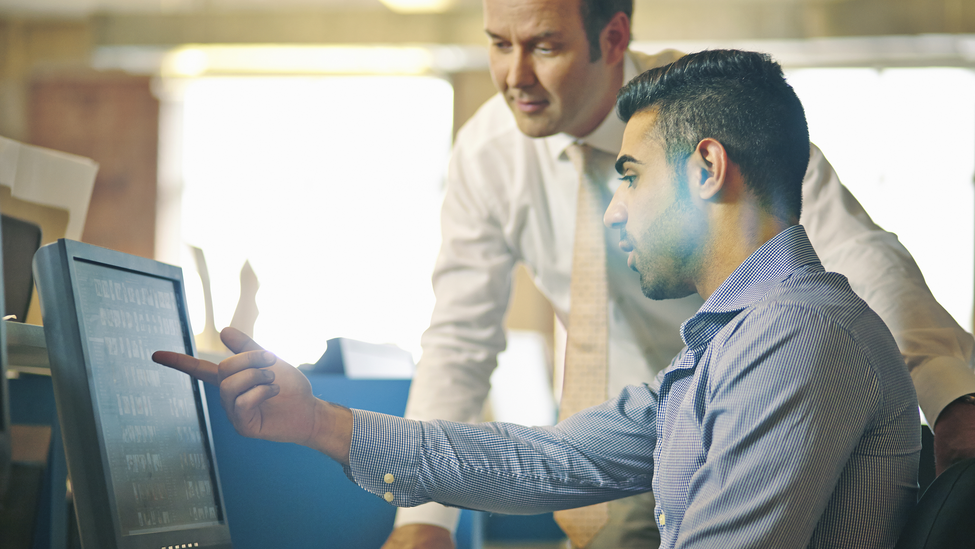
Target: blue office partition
<point>32,403</point>
<point>285,495</point>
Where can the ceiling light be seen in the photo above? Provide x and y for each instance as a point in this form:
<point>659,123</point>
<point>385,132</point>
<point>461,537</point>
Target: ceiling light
<point>419,6</point>
<point>197,60</point>
<point>188,62</point>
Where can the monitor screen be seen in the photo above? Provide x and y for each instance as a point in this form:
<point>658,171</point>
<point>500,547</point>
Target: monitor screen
<point>151,479</point>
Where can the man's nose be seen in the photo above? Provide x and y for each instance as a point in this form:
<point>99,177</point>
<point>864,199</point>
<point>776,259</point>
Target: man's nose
<point>615,216</point>
<point>521,73</point>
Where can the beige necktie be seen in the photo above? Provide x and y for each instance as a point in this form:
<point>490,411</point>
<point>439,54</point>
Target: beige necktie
<point>584,381</point>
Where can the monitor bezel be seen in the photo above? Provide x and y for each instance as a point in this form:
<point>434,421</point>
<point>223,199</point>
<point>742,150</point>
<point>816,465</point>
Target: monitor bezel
<point>88,467</point>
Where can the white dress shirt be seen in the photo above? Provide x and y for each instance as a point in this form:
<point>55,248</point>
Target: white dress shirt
<point>511,198</point>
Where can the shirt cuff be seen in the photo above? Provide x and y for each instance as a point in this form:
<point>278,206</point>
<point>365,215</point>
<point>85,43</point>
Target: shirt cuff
<point>940,381</point>
<point>429,513</point>
<point>382,459</point>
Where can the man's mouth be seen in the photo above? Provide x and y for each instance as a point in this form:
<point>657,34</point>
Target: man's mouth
<point>529,106</point>
<point>624,242</point>
<point>628,248</point>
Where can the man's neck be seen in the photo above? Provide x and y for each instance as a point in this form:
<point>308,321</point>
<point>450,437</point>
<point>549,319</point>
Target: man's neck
<point>740,233</point>
<point>607,101</point>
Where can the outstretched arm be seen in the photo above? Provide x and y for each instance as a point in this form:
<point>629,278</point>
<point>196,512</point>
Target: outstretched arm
<point>597,455</point>
<point>267,398</point>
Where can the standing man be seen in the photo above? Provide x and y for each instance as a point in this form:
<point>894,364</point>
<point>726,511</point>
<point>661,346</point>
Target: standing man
<point>511,197</point>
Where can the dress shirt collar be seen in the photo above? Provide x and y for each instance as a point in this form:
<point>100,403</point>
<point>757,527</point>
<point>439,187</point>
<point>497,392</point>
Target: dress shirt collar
<point>775,261</point>
<point>607,137</point>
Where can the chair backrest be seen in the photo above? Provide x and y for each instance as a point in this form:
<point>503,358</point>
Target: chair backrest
<point>944,517</point>
<point>20,240</point>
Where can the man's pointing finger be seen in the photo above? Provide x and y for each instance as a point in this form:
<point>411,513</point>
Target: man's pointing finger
<point>200,369</point>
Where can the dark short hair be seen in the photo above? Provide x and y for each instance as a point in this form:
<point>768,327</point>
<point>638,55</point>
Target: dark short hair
<point>596,14</point>
<point>740,99</point>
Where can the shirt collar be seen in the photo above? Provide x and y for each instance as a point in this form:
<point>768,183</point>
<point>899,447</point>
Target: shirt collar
<point>775,261</point>
<point>607,137</point>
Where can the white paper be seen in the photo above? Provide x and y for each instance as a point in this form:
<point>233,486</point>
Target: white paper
<point>51,178</point>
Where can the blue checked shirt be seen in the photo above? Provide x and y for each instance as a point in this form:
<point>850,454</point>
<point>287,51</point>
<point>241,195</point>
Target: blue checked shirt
<point>789,420</point>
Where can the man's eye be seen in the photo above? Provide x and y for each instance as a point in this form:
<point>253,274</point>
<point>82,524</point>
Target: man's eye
<point>501,45</point>
<point>545,49</point>
<point>629,180</point>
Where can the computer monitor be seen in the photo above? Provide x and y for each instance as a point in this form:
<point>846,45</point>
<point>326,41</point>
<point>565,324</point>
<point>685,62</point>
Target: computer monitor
<point>136,435</point>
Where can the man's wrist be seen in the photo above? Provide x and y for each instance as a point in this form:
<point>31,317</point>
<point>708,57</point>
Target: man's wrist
<point>332,434</point>
<point>962,401</point>
<point>939,381</point>
<point>954,433</point>
<point>966,399</point>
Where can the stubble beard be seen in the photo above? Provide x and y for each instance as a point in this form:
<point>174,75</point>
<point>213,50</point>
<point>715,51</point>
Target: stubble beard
<point>672,254</point>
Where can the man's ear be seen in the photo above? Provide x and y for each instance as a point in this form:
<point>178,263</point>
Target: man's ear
<point>615,38</point>
<point>707,169</point>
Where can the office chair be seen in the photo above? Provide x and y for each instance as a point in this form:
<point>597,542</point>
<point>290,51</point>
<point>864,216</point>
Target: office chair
<point>944,517</point>
<point>20,240</point>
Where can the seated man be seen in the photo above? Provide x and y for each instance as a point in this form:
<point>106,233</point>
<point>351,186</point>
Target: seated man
<point>789,420</point>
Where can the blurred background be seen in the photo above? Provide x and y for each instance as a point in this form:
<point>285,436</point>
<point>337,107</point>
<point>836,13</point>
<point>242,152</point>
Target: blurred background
<point>309,138</point>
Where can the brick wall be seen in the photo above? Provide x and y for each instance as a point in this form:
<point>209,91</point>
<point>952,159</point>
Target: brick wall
<point>113,119</point>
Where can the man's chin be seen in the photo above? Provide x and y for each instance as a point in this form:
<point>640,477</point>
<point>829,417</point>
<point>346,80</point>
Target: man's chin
<point>658,292</point>
<point>535,125</point>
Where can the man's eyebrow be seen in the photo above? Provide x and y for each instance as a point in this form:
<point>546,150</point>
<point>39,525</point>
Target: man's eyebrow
<point>537,38</point>
<point>623,160</point>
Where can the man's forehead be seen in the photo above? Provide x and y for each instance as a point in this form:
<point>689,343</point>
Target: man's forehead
<point>638,136</point>
<point>532,17</point>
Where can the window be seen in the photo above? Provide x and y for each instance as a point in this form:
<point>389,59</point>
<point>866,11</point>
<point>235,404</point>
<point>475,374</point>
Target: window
<point>331,188</point>
<point>903,141</point>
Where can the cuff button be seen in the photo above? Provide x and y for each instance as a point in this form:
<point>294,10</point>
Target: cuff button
<point>389,478</point>
<point>388,496</point>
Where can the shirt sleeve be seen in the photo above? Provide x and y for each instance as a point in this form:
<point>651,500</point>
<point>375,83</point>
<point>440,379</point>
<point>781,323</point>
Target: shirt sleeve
<point>882,272</point>
<point>472,285</point>
<point>603,453</point>
<point>774,459</point>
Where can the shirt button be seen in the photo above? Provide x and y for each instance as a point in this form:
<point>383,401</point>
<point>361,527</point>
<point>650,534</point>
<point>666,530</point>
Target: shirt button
<point>388,496</point>
<point>389,478</point>
<point>663,520</point>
